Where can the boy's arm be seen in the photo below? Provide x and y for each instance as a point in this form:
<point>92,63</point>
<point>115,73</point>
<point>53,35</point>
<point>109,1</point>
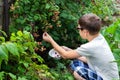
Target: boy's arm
<point>65,54</point>
<point>81,58</point>
<point>70,54</point>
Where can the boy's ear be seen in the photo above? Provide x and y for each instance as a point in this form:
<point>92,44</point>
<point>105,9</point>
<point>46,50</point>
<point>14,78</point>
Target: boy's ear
<point>86,32</point>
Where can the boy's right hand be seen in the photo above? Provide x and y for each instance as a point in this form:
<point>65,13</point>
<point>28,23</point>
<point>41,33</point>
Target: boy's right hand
<point>47,37</point>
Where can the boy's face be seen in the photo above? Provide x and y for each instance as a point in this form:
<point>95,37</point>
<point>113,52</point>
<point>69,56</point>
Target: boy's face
<point>82,32</point>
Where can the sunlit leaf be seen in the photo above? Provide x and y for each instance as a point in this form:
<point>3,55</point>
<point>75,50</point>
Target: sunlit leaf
<point>19,33</point>
<point>3,33</point>
<point>26,34</point>
<point>12,48</point>
<point>12,76</point>
<point>20,48</point>
<point>47,6</point>
<point>13,37</point>
<point>22,78</point>
<point>3,54</point>
<point>117,37</point>
<point>111,29</point>
<point>40,59</point>
<point>2,39</point>
<point>2,75</point>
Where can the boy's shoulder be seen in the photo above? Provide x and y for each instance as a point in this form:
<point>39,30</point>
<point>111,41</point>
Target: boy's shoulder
<point>96,42</point>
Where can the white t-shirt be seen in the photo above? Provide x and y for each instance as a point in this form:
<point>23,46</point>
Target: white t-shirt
<point>100,58</point>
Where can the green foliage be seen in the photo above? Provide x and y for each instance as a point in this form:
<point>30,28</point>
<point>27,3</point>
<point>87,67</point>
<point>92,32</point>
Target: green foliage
<point>103,8</point>
<point>33,14</point>
<point>63,75</point>
<point>59,18</point>
<point>67,33</point>
<point>19,61</point>
<point>112,36</point>
<point>60,71</point>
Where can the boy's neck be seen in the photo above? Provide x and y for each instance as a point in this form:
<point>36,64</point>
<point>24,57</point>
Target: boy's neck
<point>91,37</point>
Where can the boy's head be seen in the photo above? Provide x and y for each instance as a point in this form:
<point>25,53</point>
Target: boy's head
<point>90,22</point>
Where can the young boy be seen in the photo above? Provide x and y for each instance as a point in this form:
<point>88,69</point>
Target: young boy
<point>95,57</point>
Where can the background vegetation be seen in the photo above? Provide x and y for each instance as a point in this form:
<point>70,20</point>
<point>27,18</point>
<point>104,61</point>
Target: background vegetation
<point>25,55</point>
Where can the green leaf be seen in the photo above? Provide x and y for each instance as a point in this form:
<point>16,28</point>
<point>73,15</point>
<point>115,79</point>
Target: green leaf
<point>4,48</point>
<point>64,15</point>
<point>2,75</point>
<point>25,63</point>
<point>12,76</point>
<point>70,77</point>
<point>116,51</point>
<point>26,34</point>
<point>3,54</point>
<point>117,37</point>
<point>29,46</point>
<point>40,59</point>
<point>2,39</point>
<point>117,54</point>
<point>3,33</point>
<point>12,48</point>
<point>21,68</point>
<point>13,37</point>
<point>20,48</point>
<point>111,29</point>
<point>19,33</point>
<point>13,34</point>
<point>22,78</point>
<point>37,17</point>
<point>47,6</point>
